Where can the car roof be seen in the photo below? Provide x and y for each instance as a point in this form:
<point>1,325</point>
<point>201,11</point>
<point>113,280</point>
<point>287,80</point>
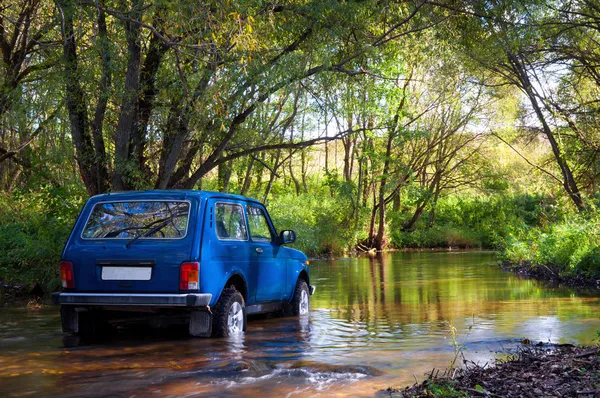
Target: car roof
<point>170,194</point>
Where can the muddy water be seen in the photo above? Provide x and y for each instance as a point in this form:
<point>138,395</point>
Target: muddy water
<point>374,323</point>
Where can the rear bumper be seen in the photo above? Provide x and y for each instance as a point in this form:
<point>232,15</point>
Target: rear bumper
<point>127,299</point>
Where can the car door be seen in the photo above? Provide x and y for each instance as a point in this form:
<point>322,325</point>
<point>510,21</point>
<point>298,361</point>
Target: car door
<point>267,257</point>
<point>226,246</point>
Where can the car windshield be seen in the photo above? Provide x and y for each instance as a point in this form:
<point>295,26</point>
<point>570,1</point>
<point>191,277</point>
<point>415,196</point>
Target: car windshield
<point>143,219</point>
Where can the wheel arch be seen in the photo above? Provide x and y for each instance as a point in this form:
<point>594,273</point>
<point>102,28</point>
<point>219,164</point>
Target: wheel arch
<point>304,276</point>
<point>239,282</point>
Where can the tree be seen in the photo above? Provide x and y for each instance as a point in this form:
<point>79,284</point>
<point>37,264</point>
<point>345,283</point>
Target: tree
<point>205,77</point>
<point>26,42</point>
<point>504,40</point>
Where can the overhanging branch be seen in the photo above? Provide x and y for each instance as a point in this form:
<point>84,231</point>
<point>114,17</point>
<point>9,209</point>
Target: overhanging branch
<point>288,145</point>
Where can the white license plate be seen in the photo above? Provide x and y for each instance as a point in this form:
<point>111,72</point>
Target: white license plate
<point>126,273</point>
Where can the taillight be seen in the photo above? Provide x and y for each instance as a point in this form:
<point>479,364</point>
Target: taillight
<point>188,276</point>
<point>66,274</point>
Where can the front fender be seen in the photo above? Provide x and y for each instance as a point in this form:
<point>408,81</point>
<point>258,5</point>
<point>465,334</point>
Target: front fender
<point>296,264</point>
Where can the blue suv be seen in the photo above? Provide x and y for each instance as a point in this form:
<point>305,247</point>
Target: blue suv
<point>204,258</point>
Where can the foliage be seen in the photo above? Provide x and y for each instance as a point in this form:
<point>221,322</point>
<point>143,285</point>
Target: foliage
<point>424,124</point>
<point>472,221</point>
<point>571,246</point>
<point>34,227</point>
<point>325,224</point>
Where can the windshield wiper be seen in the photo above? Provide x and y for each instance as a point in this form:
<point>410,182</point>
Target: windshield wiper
<point>154,229</point>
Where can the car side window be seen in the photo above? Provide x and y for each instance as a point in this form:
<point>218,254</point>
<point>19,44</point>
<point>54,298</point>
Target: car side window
<point>229,222</point>
<point>257,222</point>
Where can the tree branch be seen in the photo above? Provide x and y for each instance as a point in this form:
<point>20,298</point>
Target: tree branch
<point>527,160</point>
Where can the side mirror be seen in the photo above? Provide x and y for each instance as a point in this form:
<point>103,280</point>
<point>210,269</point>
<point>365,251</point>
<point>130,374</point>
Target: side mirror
<point>287,236</point>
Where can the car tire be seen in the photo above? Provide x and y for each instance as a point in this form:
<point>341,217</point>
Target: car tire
<point>229,315</point>
<point>301,300</point>
<point>85,323</point>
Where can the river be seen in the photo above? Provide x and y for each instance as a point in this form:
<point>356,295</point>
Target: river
<point>374,323</point>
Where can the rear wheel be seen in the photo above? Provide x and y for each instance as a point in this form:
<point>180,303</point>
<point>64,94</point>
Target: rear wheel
<point>301,300</point>
<point>85,323</point>
<point>229,316</point>
<point>88,324</point>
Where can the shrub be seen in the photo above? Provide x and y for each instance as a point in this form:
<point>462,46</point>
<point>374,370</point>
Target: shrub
<point>33,231</point>
<point>325,224</point>
<point>437,237</point>
<point>468,221</point>
<point>571,246</point>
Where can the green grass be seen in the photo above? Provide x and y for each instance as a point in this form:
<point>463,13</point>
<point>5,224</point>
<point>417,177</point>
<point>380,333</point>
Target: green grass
<point>443,388</point>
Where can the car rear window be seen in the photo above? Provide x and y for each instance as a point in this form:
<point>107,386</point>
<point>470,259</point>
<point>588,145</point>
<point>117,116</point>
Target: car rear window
<point>144,219</point>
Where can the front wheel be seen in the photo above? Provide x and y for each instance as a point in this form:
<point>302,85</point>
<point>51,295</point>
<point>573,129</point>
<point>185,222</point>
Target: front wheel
<point>301,300</point>
<point>229,316</point>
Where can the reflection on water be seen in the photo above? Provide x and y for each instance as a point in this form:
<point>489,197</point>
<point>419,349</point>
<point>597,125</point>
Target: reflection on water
<point>374,323</point>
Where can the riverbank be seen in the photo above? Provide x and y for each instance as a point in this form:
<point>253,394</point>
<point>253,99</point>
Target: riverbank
<point>540,370</point>
<point>22,296</point>
<point>552,276</point>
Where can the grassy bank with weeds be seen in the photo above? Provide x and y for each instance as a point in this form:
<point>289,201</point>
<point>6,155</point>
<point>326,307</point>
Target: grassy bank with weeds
<point>566,251</point>
<point>468,221</point>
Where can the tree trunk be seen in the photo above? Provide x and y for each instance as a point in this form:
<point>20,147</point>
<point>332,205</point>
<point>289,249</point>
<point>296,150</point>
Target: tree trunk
<point>224,176</point>
<point>145,103</point>
<point>183,171</point>
<point>348,150</point>
<point>174,135</point>
<point>247,177</point>
<point>347,143</point>
<point>361,181</point>
<point>419,211</point>
<point>122,179</point>
<point>272,176</point>
<point>326,157</point>
<point>569,182</point>
<point>379,239</point>
<point>12,182</point>
<point>396,201</point>
<point>303,161</point>
<point>259,171</point>
<point>372,222</point>
<point>101,105</point>
<point>293,177</point>
<point>76,102</point>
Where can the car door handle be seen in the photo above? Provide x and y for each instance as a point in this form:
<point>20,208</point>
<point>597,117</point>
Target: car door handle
<point>259,250</point>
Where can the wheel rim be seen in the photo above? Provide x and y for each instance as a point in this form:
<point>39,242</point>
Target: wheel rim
<point>303,310</point>
<point>235,319</point>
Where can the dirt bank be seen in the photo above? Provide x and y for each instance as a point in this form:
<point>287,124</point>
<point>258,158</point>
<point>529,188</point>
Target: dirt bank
<point>536,371</point>
<point>20,295</point>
